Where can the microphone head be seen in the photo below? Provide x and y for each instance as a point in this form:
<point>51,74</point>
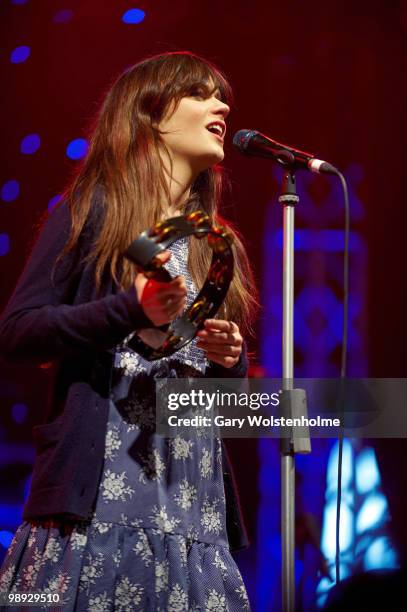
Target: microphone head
<point>256,144</point>
<point>242,138</point>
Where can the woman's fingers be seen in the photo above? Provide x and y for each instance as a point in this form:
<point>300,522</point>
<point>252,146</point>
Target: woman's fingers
<point>220,325</point>
<point>174,299</point>
<point>222,349</point>
<point>161,302</point>
<point>173,290</point>
<point>222,342</point>
<point>223,360</point>
<point>220,332</point>
<point>164,256</point>
<point>220,337</point>
<point>175,306</point>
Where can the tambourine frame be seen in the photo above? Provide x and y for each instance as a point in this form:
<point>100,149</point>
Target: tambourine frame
<point>143,252</point>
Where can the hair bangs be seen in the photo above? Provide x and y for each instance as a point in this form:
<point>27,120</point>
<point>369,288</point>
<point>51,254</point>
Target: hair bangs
<point>182,74</point>
<point>196,73</point>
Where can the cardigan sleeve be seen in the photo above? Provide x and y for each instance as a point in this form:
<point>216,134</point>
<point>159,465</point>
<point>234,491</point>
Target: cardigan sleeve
<point>41,322</point>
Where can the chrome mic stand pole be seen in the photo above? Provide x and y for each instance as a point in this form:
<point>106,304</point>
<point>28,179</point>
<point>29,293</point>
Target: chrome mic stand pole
<point>296,399</point>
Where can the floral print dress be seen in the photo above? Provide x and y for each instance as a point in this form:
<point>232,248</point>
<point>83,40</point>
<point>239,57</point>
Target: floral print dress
<point>157,539</point>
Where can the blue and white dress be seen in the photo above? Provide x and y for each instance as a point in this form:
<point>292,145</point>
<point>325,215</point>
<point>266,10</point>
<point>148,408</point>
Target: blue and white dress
<point>157,540</point>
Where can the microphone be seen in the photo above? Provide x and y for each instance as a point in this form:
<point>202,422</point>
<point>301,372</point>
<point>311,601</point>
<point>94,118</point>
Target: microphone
<point>255,144</point>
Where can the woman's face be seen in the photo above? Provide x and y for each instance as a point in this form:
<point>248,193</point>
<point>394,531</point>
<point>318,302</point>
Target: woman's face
<point>195,132</point>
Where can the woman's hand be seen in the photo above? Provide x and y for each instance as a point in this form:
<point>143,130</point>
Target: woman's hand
<point>222,342</point>
<point>161,302</point>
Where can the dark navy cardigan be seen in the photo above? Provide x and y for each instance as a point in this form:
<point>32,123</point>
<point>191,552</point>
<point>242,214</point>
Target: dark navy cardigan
<point>60,318</point>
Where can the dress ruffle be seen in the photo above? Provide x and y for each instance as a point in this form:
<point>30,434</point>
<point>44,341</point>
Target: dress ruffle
<point>101,567</point>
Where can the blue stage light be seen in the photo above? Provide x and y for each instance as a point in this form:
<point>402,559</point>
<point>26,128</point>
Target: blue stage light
<point>367,471</point>
<point>10,191</point>
<point>63,16</point>
<point>53,202</point>
<point>380,555</point>
<point>30,144</point>
<point>10,515</point>
<point>77,148</point>
<point>19,1</point>
<point>20,54</point>
<point>19,413</point>
<point>5,538</point>
<point>373,513</point>
<point>4,244</point>
<point>134,15</point>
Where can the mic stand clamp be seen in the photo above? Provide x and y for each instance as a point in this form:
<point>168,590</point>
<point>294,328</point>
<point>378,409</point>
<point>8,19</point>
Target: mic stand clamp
<point>293,405</point>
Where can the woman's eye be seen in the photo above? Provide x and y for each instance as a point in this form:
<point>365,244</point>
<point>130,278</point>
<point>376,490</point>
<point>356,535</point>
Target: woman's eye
<point>197,93</point>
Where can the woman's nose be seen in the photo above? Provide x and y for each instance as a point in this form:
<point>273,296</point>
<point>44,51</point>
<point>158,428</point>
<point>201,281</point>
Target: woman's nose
<point>222,108</point>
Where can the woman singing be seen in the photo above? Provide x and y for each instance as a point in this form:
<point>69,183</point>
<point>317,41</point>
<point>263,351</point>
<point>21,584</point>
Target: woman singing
<point>117,517</point>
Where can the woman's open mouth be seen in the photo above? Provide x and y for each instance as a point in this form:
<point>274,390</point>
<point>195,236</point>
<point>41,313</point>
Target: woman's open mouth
<point>218,129</point>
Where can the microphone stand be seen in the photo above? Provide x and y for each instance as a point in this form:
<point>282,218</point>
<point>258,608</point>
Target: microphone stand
<point>294,404</point>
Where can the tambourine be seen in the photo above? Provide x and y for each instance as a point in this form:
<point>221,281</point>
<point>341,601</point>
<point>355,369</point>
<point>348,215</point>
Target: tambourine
<point>143,252</point>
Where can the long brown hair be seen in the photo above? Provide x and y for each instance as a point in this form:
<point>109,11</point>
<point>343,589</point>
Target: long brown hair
<point>124,161</point>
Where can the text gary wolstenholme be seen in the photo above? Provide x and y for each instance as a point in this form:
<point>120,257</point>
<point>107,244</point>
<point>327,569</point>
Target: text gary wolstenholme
<point>251,421</point>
